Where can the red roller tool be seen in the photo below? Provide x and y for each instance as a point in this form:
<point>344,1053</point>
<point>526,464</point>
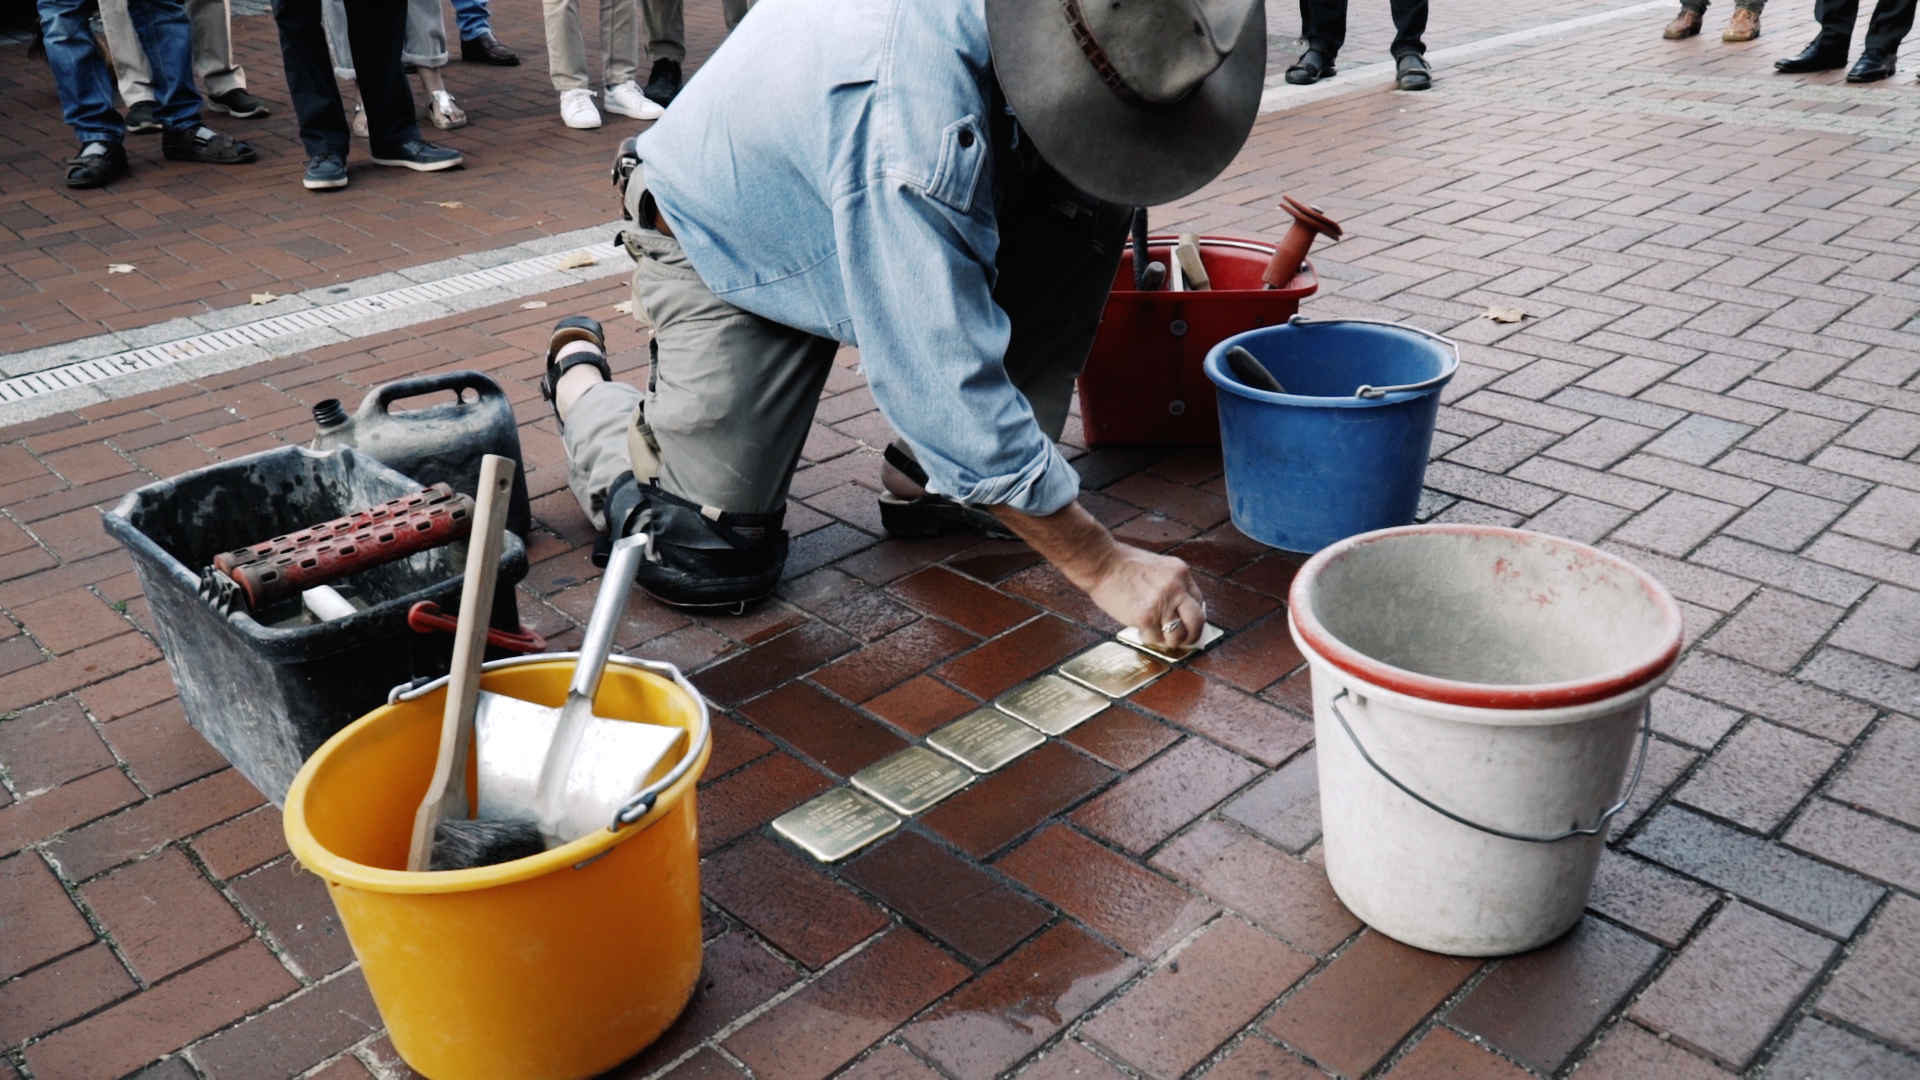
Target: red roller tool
<point>288,565</point>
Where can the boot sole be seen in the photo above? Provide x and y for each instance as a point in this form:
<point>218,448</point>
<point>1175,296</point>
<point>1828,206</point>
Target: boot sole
<point>323,185</point>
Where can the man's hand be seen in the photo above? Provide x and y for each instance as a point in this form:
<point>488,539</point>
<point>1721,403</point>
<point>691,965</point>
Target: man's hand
<point>1152,593</point>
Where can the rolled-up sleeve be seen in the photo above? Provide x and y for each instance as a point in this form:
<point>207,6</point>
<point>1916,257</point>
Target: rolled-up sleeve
<point>933,343</point>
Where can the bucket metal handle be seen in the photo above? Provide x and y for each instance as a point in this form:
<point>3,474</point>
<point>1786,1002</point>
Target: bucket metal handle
<point>1600,826</point>
<point>1373,392</point>
<point>642,802</point>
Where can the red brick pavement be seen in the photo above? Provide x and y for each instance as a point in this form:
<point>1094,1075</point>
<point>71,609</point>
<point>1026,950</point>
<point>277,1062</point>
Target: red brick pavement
<point>1715,378</point>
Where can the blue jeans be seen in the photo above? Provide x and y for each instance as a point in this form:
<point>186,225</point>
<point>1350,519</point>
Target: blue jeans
<point>86,82</point>
<point>473,19</point>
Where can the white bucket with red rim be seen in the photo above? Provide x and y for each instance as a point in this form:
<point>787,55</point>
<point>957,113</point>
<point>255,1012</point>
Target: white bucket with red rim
<point>1479,702</point>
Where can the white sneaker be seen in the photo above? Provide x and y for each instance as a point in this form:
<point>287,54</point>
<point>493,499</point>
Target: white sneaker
<point>627,100</point>
<point>576,109</point>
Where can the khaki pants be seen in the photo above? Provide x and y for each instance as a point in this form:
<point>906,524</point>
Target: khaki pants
<point>567,43</point>
<point>731,397</point>
<point>212,50</point>
<point>667,26</point>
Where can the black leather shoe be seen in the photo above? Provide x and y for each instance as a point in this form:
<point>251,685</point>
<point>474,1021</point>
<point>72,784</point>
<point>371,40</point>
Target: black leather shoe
<point>1312,66</point>
<point>99,168</point>
<point>420,156</point>
<point>1873,65</point>
<point>1811,58</point>
<point>1412,73</point>
<point>663,82</point>
<point>485,49</point>
<point>202,143</point>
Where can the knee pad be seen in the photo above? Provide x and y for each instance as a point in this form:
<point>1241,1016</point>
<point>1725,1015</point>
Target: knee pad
<point>700,557</point>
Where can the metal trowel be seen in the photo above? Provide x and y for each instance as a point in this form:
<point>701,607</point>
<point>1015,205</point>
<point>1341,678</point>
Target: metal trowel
<point>567,769</point>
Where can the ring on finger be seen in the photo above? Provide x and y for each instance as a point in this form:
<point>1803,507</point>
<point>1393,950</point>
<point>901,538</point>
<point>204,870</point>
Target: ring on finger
<point>1171,626</point>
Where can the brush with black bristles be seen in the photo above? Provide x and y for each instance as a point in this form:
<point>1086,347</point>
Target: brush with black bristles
<point>444,838</point>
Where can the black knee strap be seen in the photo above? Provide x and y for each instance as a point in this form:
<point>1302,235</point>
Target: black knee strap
<point>679,523</point>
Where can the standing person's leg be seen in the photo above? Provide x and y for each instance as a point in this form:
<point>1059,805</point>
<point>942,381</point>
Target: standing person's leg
<point>666,23</point>
<point>167,36</point>
<point>566,45</point>
<point>213,59</point>
<point>1829,49</point>
<point>333,16</point>
<point>477,43</point>
<point>1326,30</point>
<point>1745,24</point>
<point>667,46</point>
<point>426,49</point>
<point>619,41</point>
<point>130,69</point>
<point>733,11</point>
<point>567,63</point>
<point>1686,24</point>
<point>1408,49</point>
<point>1885,30</point>
<point>376,34</point>
<point>309,64</point>
<point>85,85</point>
<point>621,53</point>
<point>1891,21</point>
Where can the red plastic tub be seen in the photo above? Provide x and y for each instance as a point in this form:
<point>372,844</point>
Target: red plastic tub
<point>1144,382</point>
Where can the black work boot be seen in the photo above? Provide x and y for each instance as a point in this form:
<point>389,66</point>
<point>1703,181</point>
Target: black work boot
<point>696,556</point>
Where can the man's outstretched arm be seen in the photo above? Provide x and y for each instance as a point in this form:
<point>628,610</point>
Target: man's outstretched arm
<point>1138,588</point>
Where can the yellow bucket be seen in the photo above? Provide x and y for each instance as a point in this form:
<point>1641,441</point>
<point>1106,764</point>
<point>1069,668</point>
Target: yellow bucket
<point>557,966</point>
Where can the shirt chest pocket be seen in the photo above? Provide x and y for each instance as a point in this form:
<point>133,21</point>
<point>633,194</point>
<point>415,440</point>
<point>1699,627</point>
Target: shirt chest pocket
<point>963,153</point>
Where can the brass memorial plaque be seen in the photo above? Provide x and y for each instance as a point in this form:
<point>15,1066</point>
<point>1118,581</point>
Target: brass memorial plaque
<point>1113,669</point>
<point>912,780</point>
<point>1209,635</point>
<point>836,824</point>
<point>985,739</point>
<point>1051,704</point>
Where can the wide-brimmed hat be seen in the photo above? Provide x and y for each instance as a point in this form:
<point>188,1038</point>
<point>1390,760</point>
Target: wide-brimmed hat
<point>1135,101</point>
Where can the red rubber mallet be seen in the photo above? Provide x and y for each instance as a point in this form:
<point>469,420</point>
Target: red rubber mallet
<point>1308,222</point>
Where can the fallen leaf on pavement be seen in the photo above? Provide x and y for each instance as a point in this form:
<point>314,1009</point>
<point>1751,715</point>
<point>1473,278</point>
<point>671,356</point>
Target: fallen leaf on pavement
<point>119,268</point>
<point>534,304</point>
<point>1502,314</point>
<point>264,298</point>
<point>624,307</point>
<point>451,205</point>
<point>575,261</point>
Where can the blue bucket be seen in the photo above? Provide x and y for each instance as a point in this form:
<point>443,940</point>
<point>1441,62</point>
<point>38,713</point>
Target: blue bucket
<point>1344,450</point>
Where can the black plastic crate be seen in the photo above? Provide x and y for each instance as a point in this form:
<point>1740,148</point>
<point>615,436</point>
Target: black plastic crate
<point>267,688</point>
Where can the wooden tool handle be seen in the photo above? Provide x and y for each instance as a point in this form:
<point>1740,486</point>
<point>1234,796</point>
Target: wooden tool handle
<point>447,792</point>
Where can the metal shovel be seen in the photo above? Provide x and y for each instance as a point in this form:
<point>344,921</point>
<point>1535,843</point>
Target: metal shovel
<point>567,769</point>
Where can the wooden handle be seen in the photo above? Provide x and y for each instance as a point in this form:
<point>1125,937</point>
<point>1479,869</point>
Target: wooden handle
<point>447,793</point>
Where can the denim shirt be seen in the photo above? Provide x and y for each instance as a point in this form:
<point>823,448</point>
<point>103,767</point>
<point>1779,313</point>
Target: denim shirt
<point>830,169</point>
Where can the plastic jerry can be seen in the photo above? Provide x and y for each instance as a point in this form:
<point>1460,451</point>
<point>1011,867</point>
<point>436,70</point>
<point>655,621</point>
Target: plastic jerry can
<point>433,443</point>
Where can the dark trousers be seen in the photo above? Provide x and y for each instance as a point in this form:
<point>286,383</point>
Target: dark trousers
<point>375,30</point>
<point>1888,27</point>
<point>1324,25</point>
